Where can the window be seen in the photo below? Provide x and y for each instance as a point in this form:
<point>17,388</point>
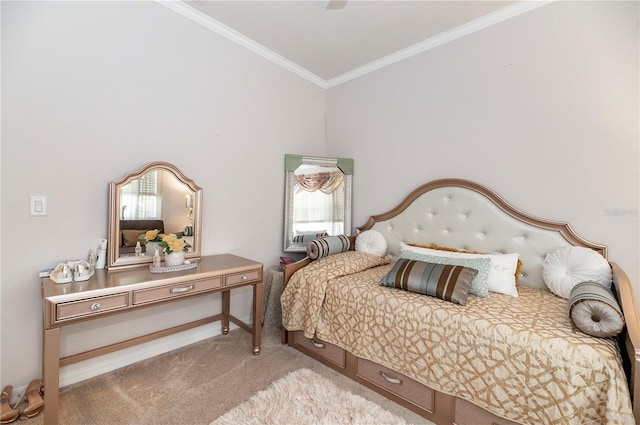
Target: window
<point>140,199</point>
<point>319,200</point>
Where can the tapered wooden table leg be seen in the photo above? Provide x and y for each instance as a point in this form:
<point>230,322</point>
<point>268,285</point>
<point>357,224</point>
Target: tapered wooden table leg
<point>257,317</point>
<point>51,374</point>
<point>226,306</point>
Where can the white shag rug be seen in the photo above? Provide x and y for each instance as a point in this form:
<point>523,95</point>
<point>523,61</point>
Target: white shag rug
<point>305,398</point>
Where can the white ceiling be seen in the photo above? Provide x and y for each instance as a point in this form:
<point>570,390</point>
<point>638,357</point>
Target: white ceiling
<point>329,46</point>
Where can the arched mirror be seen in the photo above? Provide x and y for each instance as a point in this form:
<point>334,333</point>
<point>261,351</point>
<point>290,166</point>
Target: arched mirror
<point>317,199</point>
<point>156,197</point>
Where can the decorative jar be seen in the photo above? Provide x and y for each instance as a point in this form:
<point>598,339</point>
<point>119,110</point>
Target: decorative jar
<point>176,258</point>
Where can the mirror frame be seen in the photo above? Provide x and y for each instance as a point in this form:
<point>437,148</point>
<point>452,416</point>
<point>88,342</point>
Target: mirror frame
<point>113,236</point>
<point>291,163</point>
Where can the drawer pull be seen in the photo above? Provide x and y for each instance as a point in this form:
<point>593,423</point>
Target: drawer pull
<point>94,306</point>
<point>244,277</point>
<point>390,379</point>
<point>181,290</point>
<point>317,344</point>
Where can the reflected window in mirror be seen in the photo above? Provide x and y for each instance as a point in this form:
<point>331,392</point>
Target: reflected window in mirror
<point>140,198</point>
<point>317,199</point>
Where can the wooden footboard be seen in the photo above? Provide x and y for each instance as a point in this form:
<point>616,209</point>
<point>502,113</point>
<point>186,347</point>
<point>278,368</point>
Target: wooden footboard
<point>289,270</point>
<point>630,338</point>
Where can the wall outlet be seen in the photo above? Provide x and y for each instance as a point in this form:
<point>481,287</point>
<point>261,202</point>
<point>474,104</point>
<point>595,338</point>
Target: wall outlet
<point>38,205</point>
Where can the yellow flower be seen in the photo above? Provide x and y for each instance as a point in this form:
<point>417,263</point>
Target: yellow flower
<point>173,243</point>
<point>151,235</point>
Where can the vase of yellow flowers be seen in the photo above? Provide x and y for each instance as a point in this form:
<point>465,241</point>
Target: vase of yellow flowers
<point>151,239</point>
<point>174,247</point>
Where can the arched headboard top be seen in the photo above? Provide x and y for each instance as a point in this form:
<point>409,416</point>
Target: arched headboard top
<point>465,215</point>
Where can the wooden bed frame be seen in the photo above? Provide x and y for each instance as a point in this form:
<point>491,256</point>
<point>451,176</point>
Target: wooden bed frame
<point>436,406</point>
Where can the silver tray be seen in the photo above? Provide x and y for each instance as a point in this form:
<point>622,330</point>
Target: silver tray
<point>167,269</point>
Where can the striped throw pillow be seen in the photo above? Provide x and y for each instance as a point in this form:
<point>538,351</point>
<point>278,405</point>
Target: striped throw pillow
<point>329,245</point>
<point>479,285</point>
<point>448,282</point>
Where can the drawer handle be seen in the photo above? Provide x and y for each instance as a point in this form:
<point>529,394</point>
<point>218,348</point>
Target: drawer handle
<point>390,379</point>
<point>181,290</point>
<point>317,344</point>
<point>244,277</point>
<point>95,306</point>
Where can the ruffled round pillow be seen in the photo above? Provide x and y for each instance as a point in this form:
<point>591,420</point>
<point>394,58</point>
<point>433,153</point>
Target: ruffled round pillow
<point>372,242</point>
<point>566,267</point>
<point>595,310</point>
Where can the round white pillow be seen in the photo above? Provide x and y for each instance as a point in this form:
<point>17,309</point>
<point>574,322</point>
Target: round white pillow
<point>566,267</point>
<point>372,242</point>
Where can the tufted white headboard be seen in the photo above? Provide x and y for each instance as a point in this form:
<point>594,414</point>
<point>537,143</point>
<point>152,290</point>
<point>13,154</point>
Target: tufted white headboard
<point>465,215</point>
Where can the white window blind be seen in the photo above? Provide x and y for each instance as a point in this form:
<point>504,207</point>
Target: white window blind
<point>140,199</point>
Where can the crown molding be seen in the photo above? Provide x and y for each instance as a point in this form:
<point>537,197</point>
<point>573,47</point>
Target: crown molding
<point>491,19</point>
<point>232,35</point>
<point>522,6</point>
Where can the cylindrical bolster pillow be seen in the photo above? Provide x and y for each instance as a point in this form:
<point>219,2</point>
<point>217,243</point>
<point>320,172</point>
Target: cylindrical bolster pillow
<point>327,246</point>
<point>595,311</point>
<point>304,238</point>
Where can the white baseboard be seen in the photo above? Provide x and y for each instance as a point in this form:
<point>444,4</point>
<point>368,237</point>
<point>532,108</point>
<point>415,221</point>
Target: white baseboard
<point>81,371</point>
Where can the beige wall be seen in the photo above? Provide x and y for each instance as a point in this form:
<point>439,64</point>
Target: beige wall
<point>542,108</point>
<point>93,90</point>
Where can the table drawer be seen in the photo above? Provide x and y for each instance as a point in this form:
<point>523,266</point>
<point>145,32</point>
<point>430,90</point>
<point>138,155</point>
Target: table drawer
<point>327,351</point>
<point>174,291</point>
<point>243,277</point>
<point>92,306</point>
<point>397,383</point>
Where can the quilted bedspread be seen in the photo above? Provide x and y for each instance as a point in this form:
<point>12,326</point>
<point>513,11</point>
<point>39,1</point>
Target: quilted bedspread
<point>518,357</point>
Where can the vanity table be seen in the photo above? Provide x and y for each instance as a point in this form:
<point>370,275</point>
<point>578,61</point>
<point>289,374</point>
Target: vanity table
<point>111,292</point>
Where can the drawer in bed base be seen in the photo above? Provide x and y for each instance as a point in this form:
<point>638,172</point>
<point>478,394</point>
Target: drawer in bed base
<point>398,384</point>
<point>433,405</point>
<point>329,352</point>
<point>466,413</point>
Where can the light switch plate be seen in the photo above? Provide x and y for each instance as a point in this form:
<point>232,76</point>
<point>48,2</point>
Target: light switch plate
<point>38,205</point>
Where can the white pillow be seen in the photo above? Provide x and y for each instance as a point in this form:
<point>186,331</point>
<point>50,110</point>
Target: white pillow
<point>566,267</point>
<point>372,242</point>
<point>502,270</point>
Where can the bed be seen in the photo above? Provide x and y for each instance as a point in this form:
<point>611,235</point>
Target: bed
<point>494,358</point>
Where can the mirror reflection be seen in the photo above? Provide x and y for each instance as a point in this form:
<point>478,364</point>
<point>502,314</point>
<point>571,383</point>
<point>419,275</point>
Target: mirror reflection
<point>317,199</point>
<point>156,199</point>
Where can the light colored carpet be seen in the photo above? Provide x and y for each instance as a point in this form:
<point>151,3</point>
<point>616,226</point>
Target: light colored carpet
<point>196,384</point>
<point>305,398</point>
